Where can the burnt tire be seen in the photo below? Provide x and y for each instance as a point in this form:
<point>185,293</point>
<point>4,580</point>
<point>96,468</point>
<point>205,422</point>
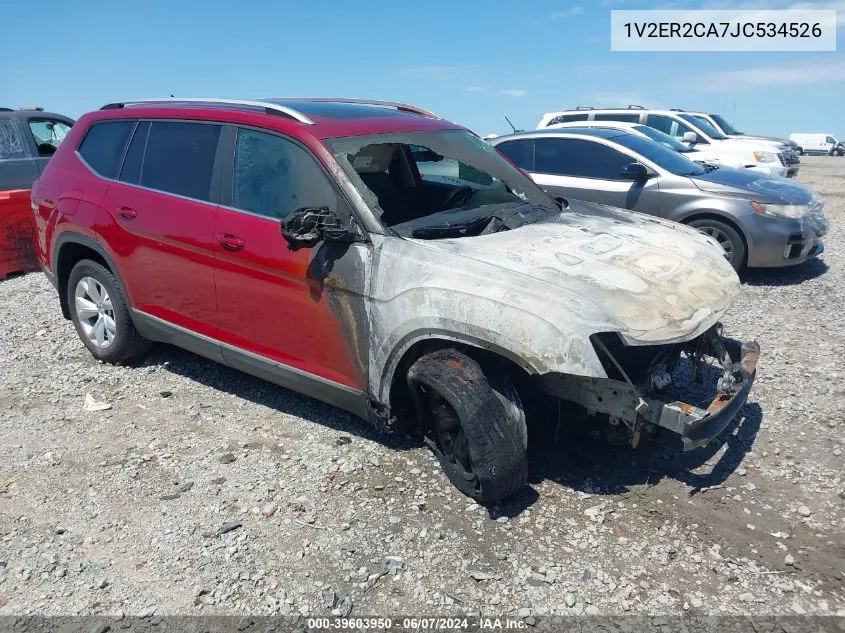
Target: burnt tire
<point>728,238</point>
<point>474,423</point>
<point>121,342</point>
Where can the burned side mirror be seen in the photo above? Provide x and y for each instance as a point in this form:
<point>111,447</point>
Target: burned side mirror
<point>308,226</point>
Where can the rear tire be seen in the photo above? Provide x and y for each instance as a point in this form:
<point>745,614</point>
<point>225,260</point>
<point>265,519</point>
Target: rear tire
<point>728,238</point>
<point>474,423</point>
<point>100,313</point>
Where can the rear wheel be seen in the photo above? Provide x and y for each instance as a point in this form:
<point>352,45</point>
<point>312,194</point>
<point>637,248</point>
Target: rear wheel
<point>100,314</point>
<point>474,423</point>
<point>728,238</point>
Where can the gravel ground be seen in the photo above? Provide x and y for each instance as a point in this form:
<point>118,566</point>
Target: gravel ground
<point>205,491</point>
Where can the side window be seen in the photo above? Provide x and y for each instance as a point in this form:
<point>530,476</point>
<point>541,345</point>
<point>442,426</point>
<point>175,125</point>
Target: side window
<point>630,118</point>
<point>180,158</point>
<point>103,145</point>
<point>563,118</point>
<point>519,153</point>
<point>131,170</point>
<point>11,143</point>
<point>274,176</point>
<point>578,158</point>
<point>660,122</point>
<point>830,139</point>
<point>48,133</point>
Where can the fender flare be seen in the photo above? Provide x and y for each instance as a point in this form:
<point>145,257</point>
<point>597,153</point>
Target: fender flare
<point>388,372</point>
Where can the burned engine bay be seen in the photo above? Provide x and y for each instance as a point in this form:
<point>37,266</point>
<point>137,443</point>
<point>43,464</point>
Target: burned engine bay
<point>692,388</point>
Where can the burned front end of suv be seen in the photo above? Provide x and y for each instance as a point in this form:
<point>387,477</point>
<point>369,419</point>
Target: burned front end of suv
<point>693,388</point>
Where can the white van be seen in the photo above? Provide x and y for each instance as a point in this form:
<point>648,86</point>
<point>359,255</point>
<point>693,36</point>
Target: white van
<point>818,144</point>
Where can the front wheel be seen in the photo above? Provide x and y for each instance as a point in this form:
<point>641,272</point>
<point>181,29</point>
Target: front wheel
<point>474,423</point>
<point>728,238</point>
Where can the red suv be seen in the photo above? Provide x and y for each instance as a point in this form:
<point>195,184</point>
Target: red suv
<point>387,261</point>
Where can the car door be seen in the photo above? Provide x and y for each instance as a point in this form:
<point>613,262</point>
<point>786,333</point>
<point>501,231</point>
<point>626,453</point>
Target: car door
<point>587,169</point>
<point>293,316</point>
<point>17,166</point>
<point>160,220</point>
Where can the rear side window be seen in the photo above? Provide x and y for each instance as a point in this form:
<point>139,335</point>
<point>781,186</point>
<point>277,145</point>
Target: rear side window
<point>180,158</point>
<point>564,118</point>
<point>274,176</point>
<point>578,158</point>
<point>131,170</point>
<point>519,153</point>
<point>103,146</point>
<point>11,143</point>
<point>660,122</point>
<point>629,118</point>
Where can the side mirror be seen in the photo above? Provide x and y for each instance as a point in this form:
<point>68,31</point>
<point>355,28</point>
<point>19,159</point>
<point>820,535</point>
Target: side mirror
<point>690,137</point>
<point>308,226</point>
<point>563,203</point>
<point>635,171</point>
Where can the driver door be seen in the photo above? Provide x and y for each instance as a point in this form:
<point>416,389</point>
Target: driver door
<point>281,311</point>
<point>584,169</point>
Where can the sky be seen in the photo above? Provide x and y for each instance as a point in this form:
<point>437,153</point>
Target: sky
<point>469,61</point>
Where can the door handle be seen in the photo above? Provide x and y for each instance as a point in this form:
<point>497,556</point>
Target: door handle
<point>231,242</point>
<point>128,213</point>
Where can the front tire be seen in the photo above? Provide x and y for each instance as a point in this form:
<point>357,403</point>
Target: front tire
<point>474,423</point>
<point>728,238</point>
<point>100,313</point>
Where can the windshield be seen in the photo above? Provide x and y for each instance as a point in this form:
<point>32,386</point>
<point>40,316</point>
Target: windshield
<point>664,139</point>
<point>660,155</point>
<point>704,125</point>
<point>443,183</point>
<point>727,128</point>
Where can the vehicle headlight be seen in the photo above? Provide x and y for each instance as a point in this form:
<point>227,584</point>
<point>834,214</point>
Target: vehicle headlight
<point>795,211</point>
<point>765,157</point>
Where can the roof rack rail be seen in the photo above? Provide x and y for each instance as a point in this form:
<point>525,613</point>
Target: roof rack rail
<point>635,107</point>
<point>32,109</point>
<point>585,108</point>
<point>401,107</point>
<point>676,110</point>
<point>269,108</point>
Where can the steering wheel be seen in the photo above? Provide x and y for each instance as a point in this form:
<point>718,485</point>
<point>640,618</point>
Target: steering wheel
<point>462,193</point>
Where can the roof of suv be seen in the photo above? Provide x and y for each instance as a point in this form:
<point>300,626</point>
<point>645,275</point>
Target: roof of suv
<point>32,113</point>
<point>323,117</point>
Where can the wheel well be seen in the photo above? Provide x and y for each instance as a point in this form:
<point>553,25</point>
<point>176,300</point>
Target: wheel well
<point>401,403</point>
<point>723,220</point>
<point>69,255</point>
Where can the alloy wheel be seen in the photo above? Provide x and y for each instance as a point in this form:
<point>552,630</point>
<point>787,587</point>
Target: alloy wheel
<point>95,312</point>
<point>720,236</point>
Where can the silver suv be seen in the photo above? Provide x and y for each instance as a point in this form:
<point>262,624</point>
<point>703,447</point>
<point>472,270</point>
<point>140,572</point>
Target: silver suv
<point>758,221</point>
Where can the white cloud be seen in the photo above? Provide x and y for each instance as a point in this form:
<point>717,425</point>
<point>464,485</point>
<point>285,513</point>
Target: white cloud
<point>837,5</point>
<point>820,70</point>
<point>434,72</point>
<point>475,89</point>
<point>568,13</point>
<point>514,93</point>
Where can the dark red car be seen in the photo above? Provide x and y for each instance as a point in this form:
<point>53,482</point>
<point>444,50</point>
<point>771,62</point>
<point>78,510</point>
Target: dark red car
<point>387,261</point>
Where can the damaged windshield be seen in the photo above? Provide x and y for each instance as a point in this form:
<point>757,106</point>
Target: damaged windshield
<point>439,184</point>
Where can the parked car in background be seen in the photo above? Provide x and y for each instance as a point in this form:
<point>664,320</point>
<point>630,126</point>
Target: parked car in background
<point>758,221</point>
<point>316,244</point>
<point>761,156</point>
<point>696,154</point>
<point>788,148</point>
<point>818,143</point>
<point>28,138</point>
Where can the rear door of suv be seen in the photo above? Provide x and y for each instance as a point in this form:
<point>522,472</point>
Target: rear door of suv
<point>160,220</point>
